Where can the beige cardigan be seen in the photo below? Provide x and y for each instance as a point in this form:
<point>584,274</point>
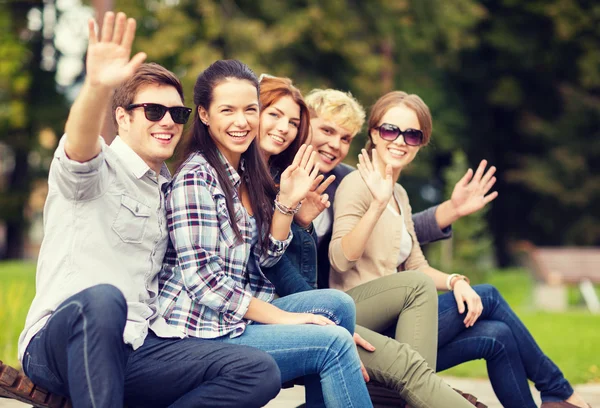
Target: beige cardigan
<point>380,257</point>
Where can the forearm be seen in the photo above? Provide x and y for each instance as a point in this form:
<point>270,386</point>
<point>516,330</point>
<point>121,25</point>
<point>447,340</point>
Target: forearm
<point>439,277</point>
<point>446,214</point>
<point>354,243</point>
<point>85,121</point>
<point>264,312</point>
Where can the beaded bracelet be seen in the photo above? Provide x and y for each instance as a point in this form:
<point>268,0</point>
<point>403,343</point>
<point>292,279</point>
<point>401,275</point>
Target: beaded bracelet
<point>284,209</point>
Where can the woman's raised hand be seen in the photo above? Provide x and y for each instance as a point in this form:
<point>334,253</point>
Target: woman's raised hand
<point>381,187</point>
<point>108,60</point>
<point>315,202</point>
<point>296,181</point>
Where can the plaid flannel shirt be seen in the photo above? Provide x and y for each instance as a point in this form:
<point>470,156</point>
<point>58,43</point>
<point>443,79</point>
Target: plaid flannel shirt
<point>209,277</point>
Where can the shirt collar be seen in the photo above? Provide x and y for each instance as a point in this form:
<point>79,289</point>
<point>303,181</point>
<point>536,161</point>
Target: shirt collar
<point>232,173</point>
<point>133,162</point>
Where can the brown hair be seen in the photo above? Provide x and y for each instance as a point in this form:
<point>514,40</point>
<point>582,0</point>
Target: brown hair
<point>273,89</point>
<point>147,74</point>
<point>396,98</point>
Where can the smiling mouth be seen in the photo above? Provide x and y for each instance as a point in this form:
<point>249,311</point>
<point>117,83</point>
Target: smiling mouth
<point>163,137</point>
<point>397,153</point>
<point>330,158</point>
<point>277,139</point>
<point>238,135</point>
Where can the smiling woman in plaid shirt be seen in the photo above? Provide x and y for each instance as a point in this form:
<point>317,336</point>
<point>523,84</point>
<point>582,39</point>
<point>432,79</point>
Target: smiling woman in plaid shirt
<point>223,230</point>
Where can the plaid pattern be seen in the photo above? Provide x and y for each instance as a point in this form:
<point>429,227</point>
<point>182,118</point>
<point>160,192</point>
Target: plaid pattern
<point>209,277</point>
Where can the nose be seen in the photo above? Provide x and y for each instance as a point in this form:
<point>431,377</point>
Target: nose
<point>334,142</point>
<point>240,120</point>
<point>399,140</point>
<point>167,120</point>
<point>283,125</point>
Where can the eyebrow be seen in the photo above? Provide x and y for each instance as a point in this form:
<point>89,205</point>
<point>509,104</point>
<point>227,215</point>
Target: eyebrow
<point>231,106</point>
<point>283,114</point>
<point>327,127</point>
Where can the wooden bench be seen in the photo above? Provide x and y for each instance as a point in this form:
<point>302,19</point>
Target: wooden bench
<point>557,268</point>
<point>15,385</point>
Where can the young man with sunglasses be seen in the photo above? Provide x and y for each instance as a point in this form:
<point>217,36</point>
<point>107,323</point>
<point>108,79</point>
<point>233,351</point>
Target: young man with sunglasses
<point>92,332</point>
<point>336,118</point>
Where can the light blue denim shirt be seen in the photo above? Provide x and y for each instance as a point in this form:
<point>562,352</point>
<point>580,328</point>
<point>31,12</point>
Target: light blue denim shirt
<point>104,222</point>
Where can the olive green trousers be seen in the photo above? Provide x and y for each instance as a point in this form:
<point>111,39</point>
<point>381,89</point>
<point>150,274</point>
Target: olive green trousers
<point>403,305</point>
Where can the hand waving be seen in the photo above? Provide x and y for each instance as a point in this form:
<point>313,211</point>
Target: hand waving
<point>381,188</point>
<point>108,61</point>
<point>297,180</point>
<point>469,194</point>
<point>315,201</point>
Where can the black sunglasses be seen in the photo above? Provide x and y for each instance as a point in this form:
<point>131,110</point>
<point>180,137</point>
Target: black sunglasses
<point>389,132</point>
<point>155,112</point>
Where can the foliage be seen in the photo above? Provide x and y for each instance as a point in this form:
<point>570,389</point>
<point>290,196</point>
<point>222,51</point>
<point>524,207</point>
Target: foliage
<point>16,293</point>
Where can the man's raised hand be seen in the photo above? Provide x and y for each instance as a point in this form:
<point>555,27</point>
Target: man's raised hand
<point>108,57</point>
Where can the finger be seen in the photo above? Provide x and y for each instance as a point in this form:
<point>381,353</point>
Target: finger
<point>325,184</point>
<point>129,34</point>
<point>459,303</point>
<point>315,184</point>
<point>306,156</point>
<point>364,372</point>
<point>480,170</point>
<point>135,62</point>
<point>120,23</point>
<point>107,26</point>
<point>93,38</point>
<point>363,343</point>
<point>326,321</point>
<point>315,171</point>
<point>466,178</point>
<point>490,197</point>
<point>311,161</point>
<point>472,311</point>
<point>371,163</point>
<point>324,199</point>
<point>388,172</point>
<point>362,161</point>
<point>290,169</point>
<point>363,173</point>
<point>487,176</point>
<point>489,185</point>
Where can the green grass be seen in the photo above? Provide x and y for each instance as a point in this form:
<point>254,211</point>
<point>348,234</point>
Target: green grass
<point>17,289</point>
<point>571,339</point>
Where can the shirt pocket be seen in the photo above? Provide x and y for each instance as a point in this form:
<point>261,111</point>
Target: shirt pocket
<point>131,220</point>
<point>226,231</point>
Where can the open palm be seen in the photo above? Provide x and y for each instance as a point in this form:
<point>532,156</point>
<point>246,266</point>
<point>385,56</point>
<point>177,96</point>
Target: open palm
<point>296,181</point>
<point>315,202</point>
<point>380,186</point>
<point>469,194</point>
<point>108,58</point>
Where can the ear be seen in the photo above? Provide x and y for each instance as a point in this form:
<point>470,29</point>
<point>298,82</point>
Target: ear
<point>122,117</point>
<point>203,114</point>
<point>374,135</point>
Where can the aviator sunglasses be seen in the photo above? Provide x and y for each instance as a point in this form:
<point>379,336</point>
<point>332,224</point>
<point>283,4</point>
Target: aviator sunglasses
<point>155,112</point>
<point>389,132</point>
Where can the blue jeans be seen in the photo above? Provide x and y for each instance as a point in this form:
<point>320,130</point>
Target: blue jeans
<point>327,353</point>
<point>511,353</point>
<point>80,353</point>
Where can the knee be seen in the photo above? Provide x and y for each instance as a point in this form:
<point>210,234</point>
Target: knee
<point>340,339</point>
<point>423,282</point>
<point>267,376</point>
<point>341,308</point>
<point>502,338</point>
<point>104,305</point>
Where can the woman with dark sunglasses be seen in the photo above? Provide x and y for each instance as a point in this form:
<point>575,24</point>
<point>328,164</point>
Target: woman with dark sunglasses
<point>374,242</point>
<point>226,222</point>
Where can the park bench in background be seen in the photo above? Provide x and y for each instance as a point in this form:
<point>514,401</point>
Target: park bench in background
<point>15,385</point>
<point>557,268</point>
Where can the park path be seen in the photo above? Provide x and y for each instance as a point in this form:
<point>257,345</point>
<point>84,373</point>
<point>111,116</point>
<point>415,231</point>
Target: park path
<point>292,397</point>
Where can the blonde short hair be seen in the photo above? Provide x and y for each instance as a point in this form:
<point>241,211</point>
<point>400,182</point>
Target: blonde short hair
<point>336,106</point>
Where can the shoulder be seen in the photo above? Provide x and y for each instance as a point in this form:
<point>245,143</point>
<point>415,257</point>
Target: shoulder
<point>196,172</point>
<point>353,188</point>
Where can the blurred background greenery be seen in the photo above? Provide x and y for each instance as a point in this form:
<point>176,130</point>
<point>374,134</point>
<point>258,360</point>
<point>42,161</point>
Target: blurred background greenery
<point>516,82</point>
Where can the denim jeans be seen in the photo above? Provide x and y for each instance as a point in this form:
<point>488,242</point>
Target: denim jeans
<point>511,353</point>
<point>80,353</point>
<point>325,352</point>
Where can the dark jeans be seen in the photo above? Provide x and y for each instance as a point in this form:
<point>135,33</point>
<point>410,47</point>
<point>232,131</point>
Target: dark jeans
<point>511,353</point>
<point>80,353</point>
